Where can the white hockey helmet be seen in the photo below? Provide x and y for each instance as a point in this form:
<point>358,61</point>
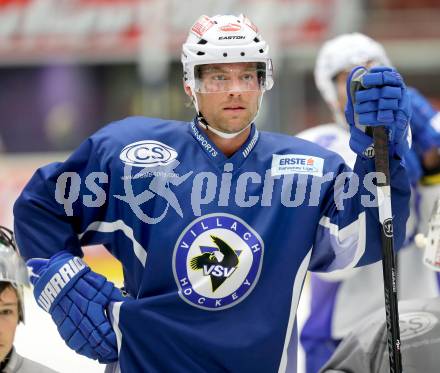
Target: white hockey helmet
<point>343,53</point>
<point>12,267</point>
<point>224,39</point>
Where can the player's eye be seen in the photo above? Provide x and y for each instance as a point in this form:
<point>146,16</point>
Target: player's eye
<point>247,77</point>
<point>6,312</point>
<point>219,77</point>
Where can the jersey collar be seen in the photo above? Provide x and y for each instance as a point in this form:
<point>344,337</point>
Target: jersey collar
<point>215,154</point>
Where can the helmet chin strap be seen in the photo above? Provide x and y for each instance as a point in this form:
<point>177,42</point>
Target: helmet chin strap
<point>225,135</point>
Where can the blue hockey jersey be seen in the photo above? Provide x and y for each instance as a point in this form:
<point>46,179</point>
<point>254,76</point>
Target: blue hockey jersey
<point>214,249</point>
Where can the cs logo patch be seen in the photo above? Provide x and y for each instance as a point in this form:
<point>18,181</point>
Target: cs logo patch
<point>217,261</point>
<point>148,153</point>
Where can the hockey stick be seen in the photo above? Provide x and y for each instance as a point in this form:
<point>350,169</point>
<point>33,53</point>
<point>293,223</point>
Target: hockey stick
<point>381,161</point>
<point>388,256</point>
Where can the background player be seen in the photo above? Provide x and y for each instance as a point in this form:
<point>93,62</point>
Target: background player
<point>13,277</point>
<point>364,348</point>
<point>335,298</point>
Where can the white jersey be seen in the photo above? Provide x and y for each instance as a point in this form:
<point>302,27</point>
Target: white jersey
<point>365,348</point>
<point>20,364</point>
<point>415,279</point>
<point>333,137</point>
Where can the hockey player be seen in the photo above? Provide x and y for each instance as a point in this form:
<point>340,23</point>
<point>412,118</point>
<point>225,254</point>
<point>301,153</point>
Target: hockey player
<point>335,298</point>
<point>215,223</point>
<point>13,277</point>
<point>364,349</point>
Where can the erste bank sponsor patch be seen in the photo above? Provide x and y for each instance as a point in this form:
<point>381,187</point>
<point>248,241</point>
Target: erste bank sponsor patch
<point>286,164</point>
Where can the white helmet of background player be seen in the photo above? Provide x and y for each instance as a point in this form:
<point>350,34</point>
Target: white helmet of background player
<point>12,267</point>
<point>224,39</point>
<point>340,54</point>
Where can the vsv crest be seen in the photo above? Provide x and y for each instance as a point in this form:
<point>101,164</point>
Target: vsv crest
<point>217,261</point>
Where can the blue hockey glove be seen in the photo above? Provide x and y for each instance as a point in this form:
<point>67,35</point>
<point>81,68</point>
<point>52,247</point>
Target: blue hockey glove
<point>378,97</point>
<point>76,298</point>
<point>425,124</point>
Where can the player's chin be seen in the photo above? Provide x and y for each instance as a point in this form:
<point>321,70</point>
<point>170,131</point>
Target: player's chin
<point>236,117</point>
<point>237,124</point>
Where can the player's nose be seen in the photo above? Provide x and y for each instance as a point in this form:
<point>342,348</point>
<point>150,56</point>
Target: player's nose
<point>235,87</point>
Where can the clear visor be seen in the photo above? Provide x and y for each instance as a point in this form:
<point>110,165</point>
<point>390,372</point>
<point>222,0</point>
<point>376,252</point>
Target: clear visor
<point>230,77</point>
<point>12,266</point>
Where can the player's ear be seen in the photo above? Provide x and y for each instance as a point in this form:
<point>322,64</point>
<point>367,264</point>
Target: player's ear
<point>187,90</point>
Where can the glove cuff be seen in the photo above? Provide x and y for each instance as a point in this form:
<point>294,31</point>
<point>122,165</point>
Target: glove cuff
<point>58,278</point>
<point>361,143</point>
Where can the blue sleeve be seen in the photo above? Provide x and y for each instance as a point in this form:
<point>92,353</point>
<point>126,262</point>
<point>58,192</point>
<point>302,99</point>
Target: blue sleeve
<point>351,236</point>
<point>424,127</point>
<point>43,225</point>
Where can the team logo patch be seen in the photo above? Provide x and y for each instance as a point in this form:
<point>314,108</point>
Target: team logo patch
<point>414,324</point>
<point>285,164</point>
<point>148,153</point>
<point>217,261</point>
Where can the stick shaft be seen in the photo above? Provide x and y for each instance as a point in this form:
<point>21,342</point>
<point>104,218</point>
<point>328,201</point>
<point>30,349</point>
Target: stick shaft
<point>389,260</point>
